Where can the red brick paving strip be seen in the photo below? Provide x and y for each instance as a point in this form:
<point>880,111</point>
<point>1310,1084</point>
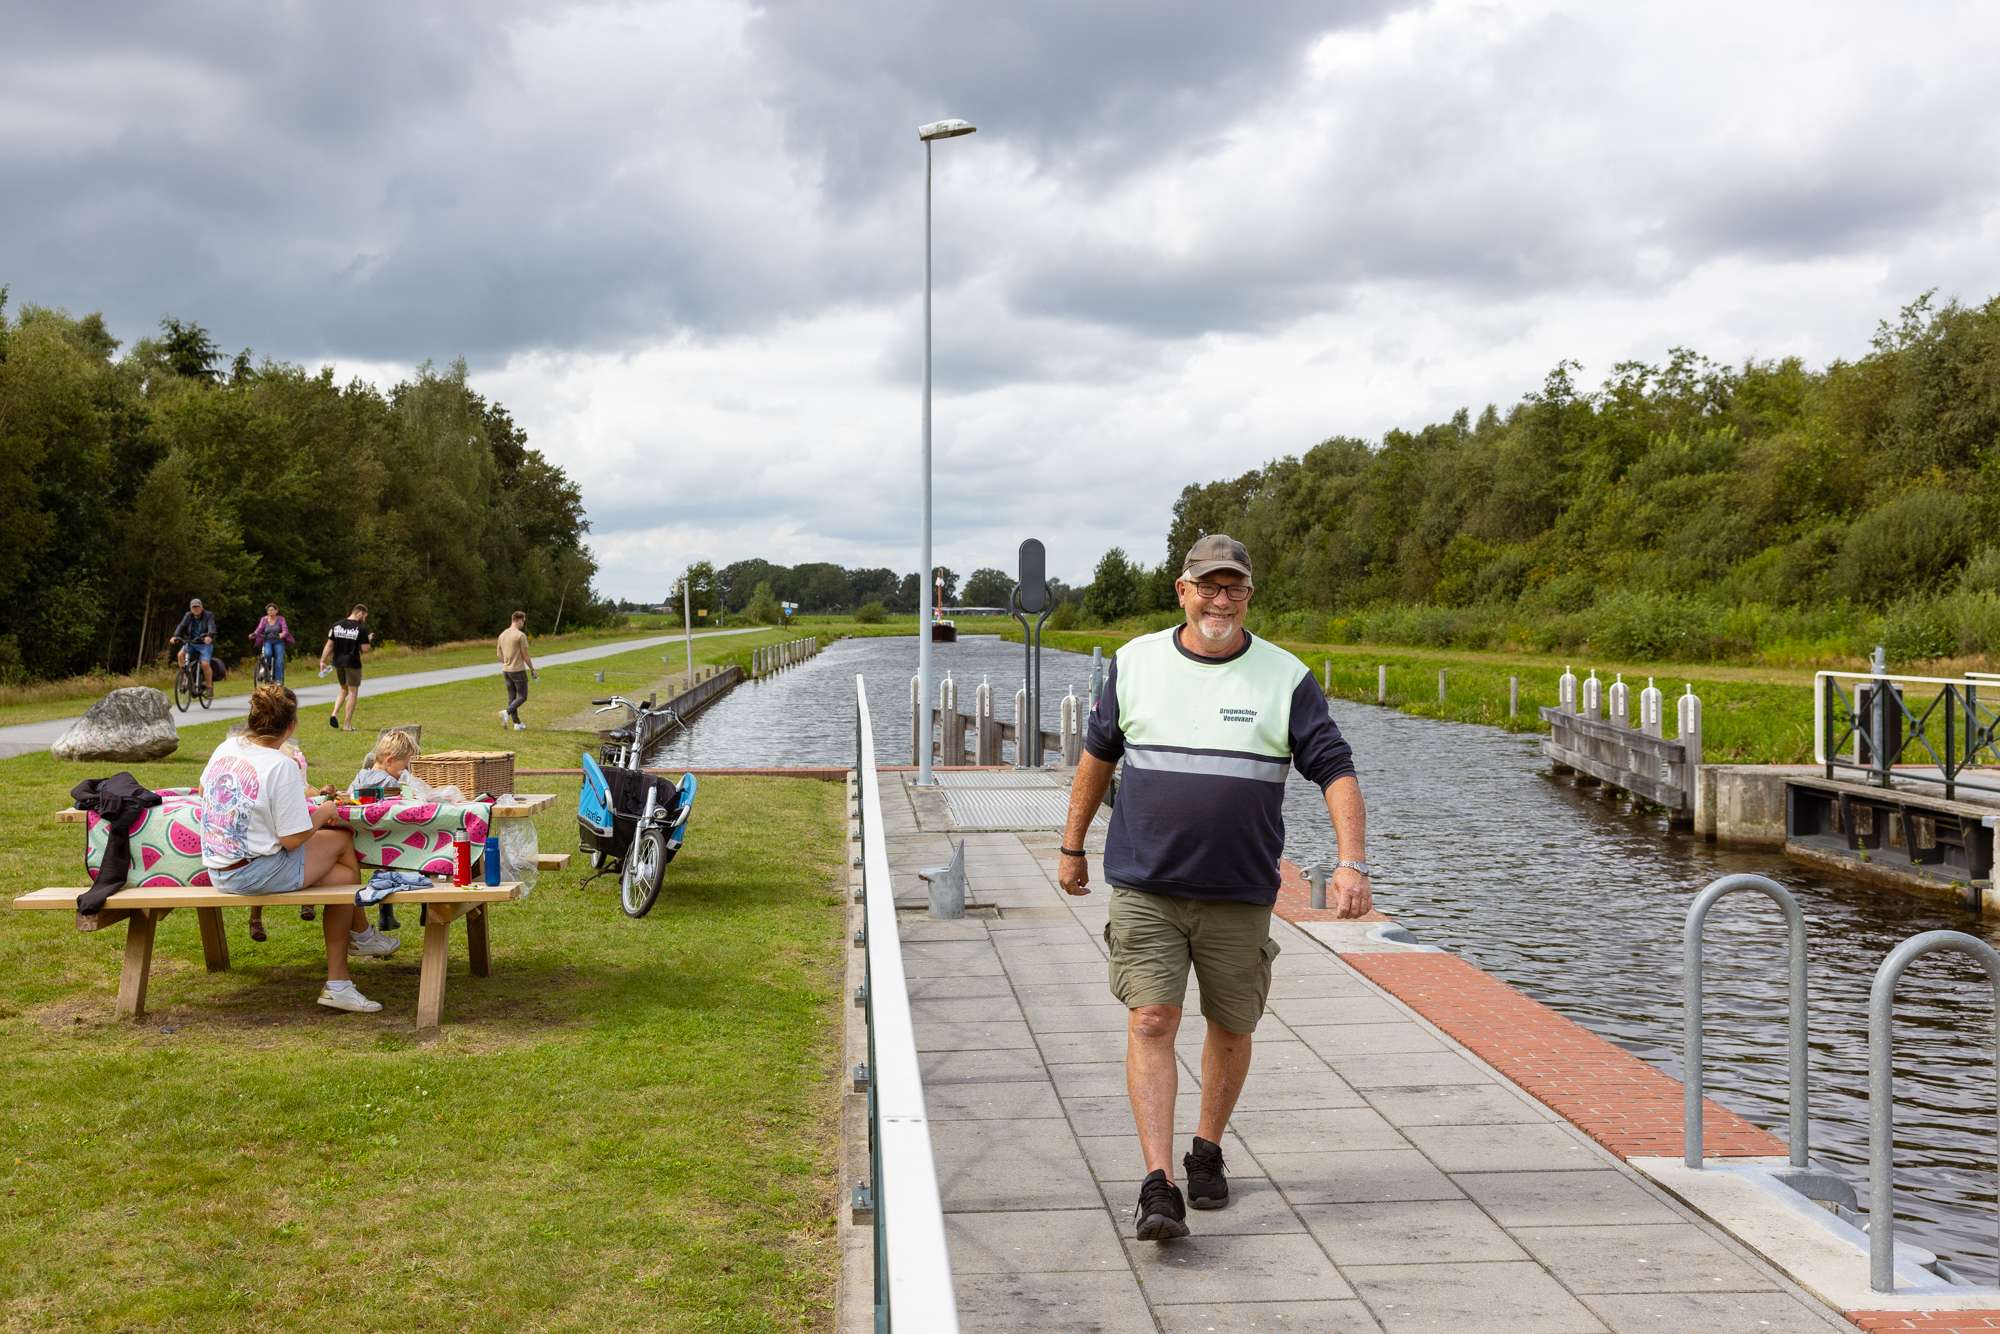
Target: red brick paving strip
<point>1929,1322</point>
<point>1606,1092</point>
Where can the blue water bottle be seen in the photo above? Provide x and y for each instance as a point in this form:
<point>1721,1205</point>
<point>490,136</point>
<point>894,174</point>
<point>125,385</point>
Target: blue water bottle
<point>492,860</point>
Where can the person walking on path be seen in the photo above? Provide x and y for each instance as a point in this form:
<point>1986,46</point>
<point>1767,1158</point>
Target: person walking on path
<point>515,665</point>
<point>1208,719</point>
<point>272,637</point>
<point>345,643</point>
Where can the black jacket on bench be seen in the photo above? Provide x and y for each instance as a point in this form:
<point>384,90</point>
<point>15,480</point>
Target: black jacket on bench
<point>118,801</point>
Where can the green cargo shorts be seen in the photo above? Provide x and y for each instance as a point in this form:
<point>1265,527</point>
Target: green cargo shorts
<point>1154,937</point>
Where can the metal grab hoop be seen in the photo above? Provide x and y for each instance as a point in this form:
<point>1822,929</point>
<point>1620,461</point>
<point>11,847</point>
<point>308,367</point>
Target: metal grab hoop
<point>1881,1085</point>
<point>1691,1009</point>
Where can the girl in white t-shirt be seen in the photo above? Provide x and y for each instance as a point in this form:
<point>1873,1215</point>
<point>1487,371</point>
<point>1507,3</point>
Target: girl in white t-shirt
<point>259,836</point>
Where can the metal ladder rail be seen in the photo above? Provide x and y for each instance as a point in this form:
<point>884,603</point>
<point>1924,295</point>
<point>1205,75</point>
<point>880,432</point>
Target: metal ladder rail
<point>1881,1085</point>
<point>1691,1014</point>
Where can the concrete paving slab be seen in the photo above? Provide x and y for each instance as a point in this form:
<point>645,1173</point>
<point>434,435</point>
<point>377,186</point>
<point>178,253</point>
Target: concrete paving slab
<point>1297,986</point>
<point>1117,1157</point>
<point>1263,1317</point>
<point>1681,1312</point>
<point>980,1065</point>
<point>1090,991</point>
<point>1009,1166</point>
<point>1101,1018</point>
<point>1372,1177</point>
<point>1325,1130</point>
<point>1268,1092</point>
<point>991,1101</point>
<point>1574,1199</point>
<point>937,1035</point>
<point>1037,1241</point>
<point>964,1009</point>
<point>1207,1268</point>
<point>1496,1298</point>
<point>1672,1257</point>
<point>948,988</point>
<point>1455,1105</point>
<point>1092,1079</point>
<point>1408,1232</point>
<point>1104,1303</point>
<point>1094,972</point>
<point>1404,1071</point>
<point>1069,1048</point>
<point>1544,1147</point>
<point>1111,1114</point>
<point>1389,1039</point>
<point>1357,1009</point>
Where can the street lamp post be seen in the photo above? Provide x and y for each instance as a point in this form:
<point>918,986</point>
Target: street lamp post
<point>938,129</point>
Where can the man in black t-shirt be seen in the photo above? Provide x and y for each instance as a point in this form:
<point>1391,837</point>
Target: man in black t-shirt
<point>345,643</point>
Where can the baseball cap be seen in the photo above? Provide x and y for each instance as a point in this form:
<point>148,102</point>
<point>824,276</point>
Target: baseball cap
<point>1217,551</point>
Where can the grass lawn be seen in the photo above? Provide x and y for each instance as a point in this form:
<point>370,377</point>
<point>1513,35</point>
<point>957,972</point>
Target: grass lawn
<point>628,1125</point>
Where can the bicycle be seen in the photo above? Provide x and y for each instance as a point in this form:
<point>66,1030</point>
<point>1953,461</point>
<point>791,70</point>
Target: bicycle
<point>189,684</point>
<point>627,818</point>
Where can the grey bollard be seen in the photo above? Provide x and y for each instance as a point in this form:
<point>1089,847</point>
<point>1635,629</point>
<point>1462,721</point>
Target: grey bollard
<point>982,725</point>
<point>1317,875</point>
<point>1326,677</point>
<point>951,725</point>
<point>947,886</point>
<point>1020,728</point>
<point>1615,702</point>
<point>1651,712</point>
<point>1072,729</point>
<point>1592,695</point>
<point>1687,720</point>
<point>1382,683</point>
<point>600,678</point>
<point>1096,676</point>
<point>1440,687</point>
<point>919,724</point>
<point>1566,691</point>
<point>1513,697</point>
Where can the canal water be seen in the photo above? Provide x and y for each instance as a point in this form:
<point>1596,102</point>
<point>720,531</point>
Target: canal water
<point>1568,894</point>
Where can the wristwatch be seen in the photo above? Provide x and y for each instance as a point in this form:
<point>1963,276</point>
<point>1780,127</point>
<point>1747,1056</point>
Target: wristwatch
<point>1355,866</point>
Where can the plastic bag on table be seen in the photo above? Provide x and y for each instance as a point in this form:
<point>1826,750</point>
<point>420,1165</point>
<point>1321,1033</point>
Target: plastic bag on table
<point>519,852</point>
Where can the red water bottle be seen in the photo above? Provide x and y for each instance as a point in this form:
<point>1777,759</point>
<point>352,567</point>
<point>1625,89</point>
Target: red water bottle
<point>463,874</point>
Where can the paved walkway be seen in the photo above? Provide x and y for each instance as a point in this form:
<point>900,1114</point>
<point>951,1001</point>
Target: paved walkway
<point>25,738</point>
<point>1384,1177</point>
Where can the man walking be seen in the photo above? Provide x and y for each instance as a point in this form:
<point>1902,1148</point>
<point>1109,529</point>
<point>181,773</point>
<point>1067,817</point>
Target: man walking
<point>345,643</point>
<point>515,665</point>
<point>1208,719</point>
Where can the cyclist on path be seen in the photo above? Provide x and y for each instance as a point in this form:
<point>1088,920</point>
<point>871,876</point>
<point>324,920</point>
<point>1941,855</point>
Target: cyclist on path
<point>196,634</point>
<point>272,637</point>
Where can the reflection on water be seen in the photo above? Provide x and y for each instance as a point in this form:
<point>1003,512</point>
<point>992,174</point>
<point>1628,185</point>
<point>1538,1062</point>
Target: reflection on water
<point>1565,893</point>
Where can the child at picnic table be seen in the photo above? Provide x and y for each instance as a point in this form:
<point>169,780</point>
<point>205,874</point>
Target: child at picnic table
<point>388,767</point>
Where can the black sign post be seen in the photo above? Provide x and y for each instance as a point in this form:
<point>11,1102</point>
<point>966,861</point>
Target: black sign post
<point>1031,597</point>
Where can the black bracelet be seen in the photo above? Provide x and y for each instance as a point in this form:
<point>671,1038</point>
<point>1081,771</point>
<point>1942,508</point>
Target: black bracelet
<point>1070,852</point>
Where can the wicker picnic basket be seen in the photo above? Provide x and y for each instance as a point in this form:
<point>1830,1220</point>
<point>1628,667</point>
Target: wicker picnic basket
<point>470,771</point>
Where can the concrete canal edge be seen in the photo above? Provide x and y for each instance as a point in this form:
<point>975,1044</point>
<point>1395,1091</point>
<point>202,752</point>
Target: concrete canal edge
<point>1632,1110</point>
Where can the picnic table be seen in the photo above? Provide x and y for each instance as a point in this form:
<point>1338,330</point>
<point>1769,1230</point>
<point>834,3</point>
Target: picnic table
<point>518,807</point>
<point>141,909</point>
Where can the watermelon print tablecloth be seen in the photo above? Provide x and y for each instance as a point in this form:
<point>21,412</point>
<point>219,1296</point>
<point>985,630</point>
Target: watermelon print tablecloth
<point>395,835</point>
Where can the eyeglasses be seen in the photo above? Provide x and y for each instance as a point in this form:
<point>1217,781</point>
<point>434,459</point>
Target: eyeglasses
<point>1237,592</point>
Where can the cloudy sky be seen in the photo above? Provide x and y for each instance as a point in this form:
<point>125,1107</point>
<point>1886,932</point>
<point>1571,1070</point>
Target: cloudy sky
<point>683,242</point>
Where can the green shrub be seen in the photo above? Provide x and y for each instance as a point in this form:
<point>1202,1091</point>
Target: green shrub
<point>764,608</point>
<point>1905,547</point>
<point>1065,617</point>
<point>871,613</point>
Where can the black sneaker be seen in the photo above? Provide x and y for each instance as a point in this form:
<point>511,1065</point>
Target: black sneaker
<point>1162,1216</point>
<point>1207,1188</point>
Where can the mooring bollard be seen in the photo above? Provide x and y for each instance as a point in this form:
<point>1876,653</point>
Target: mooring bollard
<point>1096,676</point>
<point>1592,696</point>
<point>1687,723</point>
<point>1382,683</point>
<point>1566,691</point>
<point>1650,710</point>
<point>1317,875</point>
<point>983,749</point>
<point>919,723</point>
<point>1021,728</point>
<point>1326,677</point>
<point>1513,697</point>
<point>1072,728</point>
<point>1616,697</point>
<point>1440,687</point>
<point>951,727</point>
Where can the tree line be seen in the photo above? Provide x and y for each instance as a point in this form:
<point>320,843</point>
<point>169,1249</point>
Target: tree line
<point>824,588</point>
<point>131,482</point>
<point>1680,509</point>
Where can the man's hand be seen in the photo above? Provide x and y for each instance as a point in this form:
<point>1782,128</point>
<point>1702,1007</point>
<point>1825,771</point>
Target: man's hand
<point>1074,875</point>
<point>1349,895</point>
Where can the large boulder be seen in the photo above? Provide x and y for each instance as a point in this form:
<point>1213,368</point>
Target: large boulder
<point>129,725</point>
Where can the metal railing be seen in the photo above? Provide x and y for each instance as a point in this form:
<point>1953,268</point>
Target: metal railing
<point>1691,1009</point>
<point>913,1287</point>
<point>1869,726</point>
<point>1881,1085</point>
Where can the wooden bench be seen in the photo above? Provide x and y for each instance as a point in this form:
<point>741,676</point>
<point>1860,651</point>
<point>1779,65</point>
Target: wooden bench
<point>142,908</point>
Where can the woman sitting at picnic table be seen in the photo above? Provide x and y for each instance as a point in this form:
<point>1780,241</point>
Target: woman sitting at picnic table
<point>259,836</point>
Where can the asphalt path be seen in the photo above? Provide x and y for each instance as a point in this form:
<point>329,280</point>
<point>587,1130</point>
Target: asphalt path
<point>27,738</point>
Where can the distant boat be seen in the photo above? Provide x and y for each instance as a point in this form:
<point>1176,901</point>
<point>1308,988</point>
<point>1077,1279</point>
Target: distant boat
<point>943,630</point>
